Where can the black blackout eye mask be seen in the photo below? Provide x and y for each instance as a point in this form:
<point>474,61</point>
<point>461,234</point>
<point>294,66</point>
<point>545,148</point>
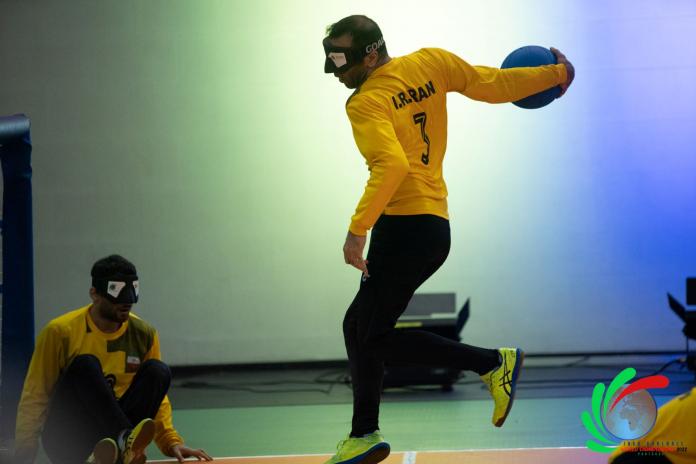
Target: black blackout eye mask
<point>341,59</point>
<point>122,289</point>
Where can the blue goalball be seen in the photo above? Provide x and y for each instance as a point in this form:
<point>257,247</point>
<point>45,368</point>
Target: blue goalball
<point>530,56</point>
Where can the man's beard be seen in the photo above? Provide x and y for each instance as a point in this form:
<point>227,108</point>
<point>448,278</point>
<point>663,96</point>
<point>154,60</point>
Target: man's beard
<point>114,316</point>
<point>360,79</point>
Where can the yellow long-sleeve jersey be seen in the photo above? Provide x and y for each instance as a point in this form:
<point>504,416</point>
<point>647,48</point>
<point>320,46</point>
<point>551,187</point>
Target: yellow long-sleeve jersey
<point>399,121</point>
<point>120,354</point>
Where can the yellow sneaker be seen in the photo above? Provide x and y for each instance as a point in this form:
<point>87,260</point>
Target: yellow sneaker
<point>133,442</point>
<point>502,381</point>
<point>105,452</point>
<point>369,449</point>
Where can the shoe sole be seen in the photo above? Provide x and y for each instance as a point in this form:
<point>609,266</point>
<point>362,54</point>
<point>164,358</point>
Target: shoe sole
<point>105,451</point>
<point>377,453</point>
<point>519,354</point>
<point>144,438</point>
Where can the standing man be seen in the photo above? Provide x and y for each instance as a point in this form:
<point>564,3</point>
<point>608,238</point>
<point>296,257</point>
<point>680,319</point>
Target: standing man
<point>96,382</point>
<point>399,119</point>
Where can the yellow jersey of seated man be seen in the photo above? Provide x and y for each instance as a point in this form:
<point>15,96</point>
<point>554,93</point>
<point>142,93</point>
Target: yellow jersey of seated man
<point>674,432</point>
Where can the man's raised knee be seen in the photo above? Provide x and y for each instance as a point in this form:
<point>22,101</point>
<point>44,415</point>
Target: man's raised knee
<point>156,368</point>
<point>84,362</point>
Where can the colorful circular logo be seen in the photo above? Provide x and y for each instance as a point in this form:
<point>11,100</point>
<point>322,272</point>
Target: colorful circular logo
<point>621,411</point>
<point>633,416</point>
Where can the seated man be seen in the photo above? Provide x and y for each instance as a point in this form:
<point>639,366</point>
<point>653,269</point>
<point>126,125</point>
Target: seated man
<point>96,382</point>
<point>674,433</point>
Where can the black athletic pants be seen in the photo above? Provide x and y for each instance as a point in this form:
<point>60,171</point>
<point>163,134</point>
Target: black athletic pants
<point>404,252</point>
<point>84,410</point>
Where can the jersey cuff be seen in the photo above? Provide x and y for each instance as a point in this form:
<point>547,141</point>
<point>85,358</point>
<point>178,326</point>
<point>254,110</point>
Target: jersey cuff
<point>564,73</point>
<point>358,230</point>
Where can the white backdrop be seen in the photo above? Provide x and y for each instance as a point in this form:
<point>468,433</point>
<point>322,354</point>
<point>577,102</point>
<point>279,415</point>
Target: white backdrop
<point>202,141</point>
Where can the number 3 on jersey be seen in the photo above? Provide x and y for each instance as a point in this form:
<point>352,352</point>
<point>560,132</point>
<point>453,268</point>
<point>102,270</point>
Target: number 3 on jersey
<point>420,118</point>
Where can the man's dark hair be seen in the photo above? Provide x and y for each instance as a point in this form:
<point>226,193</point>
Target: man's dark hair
<point>111,266</point>
<point>362,29</point>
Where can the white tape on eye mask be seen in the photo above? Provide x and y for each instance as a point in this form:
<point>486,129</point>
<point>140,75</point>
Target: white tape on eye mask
<point>339,59</point>
<point>114,288</point>
<point>136,287</point>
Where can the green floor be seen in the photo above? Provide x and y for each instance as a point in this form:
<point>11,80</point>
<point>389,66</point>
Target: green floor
<point>261,413</point>
<point>438,425</point>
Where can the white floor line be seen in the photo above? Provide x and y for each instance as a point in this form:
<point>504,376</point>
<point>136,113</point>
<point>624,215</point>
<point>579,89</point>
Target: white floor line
<point>409,457</point>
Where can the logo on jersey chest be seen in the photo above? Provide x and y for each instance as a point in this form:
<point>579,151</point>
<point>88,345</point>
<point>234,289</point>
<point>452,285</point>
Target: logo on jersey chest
<point>132,363</point>
<point>409,96</point>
